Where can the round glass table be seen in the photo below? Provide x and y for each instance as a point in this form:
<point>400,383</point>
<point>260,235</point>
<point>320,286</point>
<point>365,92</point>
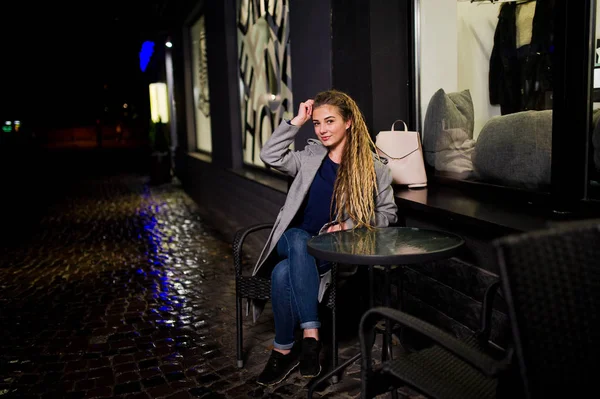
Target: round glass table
<point>386,247</point>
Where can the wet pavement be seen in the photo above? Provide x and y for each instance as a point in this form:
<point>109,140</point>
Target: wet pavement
<point>121,290</point>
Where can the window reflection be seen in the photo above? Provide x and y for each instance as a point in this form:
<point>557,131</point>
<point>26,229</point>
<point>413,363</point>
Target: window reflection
<point>486,87</point>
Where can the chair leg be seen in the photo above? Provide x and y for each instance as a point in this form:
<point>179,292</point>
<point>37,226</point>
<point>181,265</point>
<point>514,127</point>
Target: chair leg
<point>388,328</point>
<point>334,343</point>
<point>239,328</point>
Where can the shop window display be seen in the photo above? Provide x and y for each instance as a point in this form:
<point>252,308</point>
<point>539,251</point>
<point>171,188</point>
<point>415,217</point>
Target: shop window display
<point>200,86</point>
<point>486,90</point>
<point>264,71</point>
<point>594,162</point>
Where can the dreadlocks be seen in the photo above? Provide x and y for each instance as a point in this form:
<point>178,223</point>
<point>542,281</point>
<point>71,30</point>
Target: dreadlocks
<point>356,183</point>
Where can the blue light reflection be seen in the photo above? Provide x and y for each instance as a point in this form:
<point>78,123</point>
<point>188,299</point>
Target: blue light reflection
<point>163,288</point>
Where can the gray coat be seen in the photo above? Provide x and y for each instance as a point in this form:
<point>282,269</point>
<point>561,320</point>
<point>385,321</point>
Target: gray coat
<point>302,166</point>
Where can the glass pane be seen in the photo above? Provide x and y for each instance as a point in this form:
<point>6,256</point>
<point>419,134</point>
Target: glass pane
<point>594,162</point>
<point>486,90</point>
<point>264,70</point>
<point>200,89</point>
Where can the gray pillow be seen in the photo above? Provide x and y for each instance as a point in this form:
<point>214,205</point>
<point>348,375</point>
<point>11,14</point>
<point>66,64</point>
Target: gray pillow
<point>515,149</point>
<point>596,138</point>
<point>446,111</point>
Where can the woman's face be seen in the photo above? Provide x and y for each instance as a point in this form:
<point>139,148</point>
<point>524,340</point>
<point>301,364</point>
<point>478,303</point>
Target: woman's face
<point>329,125</point>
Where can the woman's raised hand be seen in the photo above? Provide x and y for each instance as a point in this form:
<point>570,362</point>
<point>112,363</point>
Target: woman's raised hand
<point>304,113</point>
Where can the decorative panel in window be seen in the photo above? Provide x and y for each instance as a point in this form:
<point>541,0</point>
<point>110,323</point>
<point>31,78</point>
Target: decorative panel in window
<point>200,87</point>
<point>486,90</point>
<point>264,70</point>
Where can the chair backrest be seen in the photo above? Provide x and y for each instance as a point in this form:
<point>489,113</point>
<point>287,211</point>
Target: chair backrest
<point>551,280</point>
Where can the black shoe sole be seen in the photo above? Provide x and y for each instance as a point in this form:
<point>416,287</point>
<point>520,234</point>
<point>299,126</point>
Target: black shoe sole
<point>313,376</point>
<point>269,384</point>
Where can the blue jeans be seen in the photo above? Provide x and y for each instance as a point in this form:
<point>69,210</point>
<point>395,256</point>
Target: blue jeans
<point>295,287</point>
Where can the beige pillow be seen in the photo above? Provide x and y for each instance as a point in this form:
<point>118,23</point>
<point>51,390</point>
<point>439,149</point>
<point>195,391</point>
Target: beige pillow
<point>453,152</point>
<point>446,111</point>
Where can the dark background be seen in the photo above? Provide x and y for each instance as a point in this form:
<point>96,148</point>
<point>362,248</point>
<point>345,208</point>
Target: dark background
<point>56,59</point>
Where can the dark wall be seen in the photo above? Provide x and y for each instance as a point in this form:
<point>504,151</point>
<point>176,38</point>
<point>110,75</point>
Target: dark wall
<point>390,62</point>
<point>371,58</point>
<point>179,95</point>
<point>351,42</point>
<point>310,37</point>
<point>221,47</point>
<point>357,46</point>
<point>449,293</point>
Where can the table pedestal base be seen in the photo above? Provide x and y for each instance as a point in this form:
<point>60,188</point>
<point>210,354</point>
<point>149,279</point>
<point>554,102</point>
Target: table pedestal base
<point>386,349</point>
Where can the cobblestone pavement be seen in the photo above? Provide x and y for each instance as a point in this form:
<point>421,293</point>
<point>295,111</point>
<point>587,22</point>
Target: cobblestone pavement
<point>123,291</point>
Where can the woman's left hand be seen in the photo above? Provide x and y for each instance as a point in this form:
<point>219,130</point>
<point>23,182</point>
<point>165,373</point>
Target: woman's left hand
<point>336,227</point>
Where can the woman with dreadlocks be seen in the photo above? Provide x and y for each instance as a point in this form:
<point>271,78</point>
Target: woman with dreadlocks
<point>339,183</point>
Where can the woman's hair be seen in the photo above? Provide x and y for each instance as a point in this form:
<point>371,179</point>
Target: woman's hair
<point>356,183</point>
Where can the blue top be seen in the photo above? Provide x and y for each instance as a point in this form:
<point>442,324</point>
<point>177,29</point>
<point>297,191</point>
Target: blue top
<point>317,205</point>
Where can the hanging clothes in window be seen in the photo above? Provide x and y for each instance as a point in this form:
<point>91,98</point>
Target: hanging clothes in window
<point>520,75</point>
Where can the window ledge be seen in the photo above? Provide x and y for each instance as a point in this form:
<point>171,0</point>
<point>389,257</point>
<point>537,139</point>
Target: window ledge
<point>201,156</point>
<point>480,211</point>
<point>274,182</point>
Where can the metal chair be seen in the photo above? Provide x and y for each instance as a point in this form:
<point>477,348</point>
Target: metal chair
<point>259,288</point>
<point>551,283</point>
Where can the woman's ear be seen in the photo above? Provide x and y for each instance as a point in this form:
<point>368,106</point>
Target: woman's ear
<point>348,124</point>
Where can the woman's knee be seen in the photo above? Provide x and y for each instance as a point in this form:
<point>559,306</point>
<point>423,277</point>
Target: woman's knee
<point>297,240</point>
<point>280,275</point>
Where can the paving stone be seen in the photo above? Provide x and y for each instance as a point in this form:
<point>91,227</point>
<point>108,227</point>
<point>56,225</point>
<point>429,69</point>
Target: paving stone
<point>121,289</point>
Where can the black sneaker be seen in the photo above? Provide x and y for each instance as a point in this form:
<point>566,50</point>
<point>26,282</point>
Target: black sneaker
<point>310,364</point>
<point>278,367</point>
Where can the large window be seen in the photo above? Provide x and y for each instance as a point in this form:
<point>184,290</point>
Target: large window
<point>594,153</point>
<point>487,90</point>
<point>200,87</point>
<point>264,71</point>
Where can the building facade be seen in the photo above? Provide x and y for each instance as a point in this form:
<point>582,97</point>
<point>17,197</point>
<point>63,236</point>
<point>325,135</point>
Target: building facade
<point>508,120</point>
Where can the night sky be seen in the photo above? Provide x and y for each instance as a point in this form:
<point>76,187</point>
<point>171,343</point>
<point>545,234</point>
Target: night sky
<point>56,62</point>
